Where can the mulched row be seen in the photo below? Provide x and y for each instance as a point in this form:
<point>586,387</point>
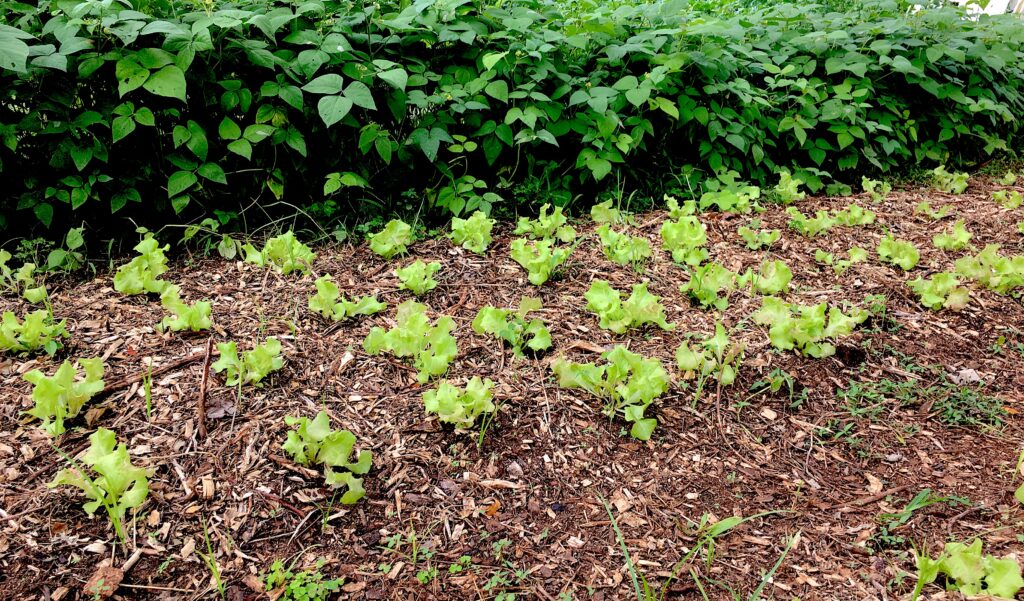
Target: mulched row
<point>550,460</point>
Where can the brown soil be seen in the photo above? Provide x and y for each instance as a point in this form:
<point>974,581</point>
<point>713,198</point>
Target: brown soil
<point>550,458</point>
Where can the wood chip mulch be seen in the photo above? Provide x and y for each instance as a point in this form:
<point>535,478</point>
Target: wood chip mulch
<point>526,507</point>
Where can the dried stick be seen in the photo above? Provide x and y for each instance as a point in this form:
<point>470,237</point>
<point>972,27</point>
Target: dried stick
<point>201,404</point>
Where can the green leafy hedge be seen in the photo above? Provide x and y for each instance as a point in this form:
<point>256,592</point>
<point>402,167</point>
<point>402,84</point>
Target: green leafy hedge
<point>168,110</point>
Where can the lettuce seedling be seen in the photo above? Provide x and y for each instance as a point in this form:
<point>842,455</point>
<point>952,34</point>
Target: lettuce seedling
<point>677,211</point>
<point>728,195</point>
<point>460,406</point>
<point>950,183</point>
<point>627,384</point>
<point>1009,179</point>
<point>925,208</point>
<point>513,328</point>
<point>613,314</point>
<point>606,213</point>
<point>757,238</point>
<point>194,318</point>
<point>417,277</point>
<point>856,254</point>
<point>898,252</point>
<point>21,281</point>
<point>118,485</point>
<point>328,302</point>
<point>941,291</point>
<point>714,357</point>
<point>393,240</point>
<point>546,227</point>
<point>432,347</point>
<point>955,240</point>
<point>707,283</point>
<point>854,216</point>
<point>540,258</point>
<point>772,278</point>
<point>62,395</point>
<point>37,333</point>
<point>1008,199</point>
<point>624,249</point>
<point>876,190</point>
<point>787,191</point>
<point>252,367</point>
<point>810,226</point>
<point>806,328</point>
<point>994,271</point>
<point>313,442</point>
<point>140,275</point>
<point>284,253</point>
<point>685,239</point>
<point>474,234</point>
<point>970,573</point>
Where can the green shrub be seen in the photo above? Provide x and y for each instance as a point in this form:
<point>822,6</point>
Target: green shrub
<point>178,110</point>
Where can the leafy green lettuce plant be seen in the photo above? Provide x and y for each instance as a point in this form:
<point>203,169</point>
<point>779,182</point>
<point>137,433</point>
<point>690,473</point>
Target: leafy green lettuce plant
<point>710,285</point>
<point>194,318</point>
<point>313,442</point>
<point>787,191</point>
<point>1008,199</point>
<point>460,406</point>
<point>727,194</point>
<point>253,366</point>
<point>925,208</point>
<point>997,272</point>
<point>417,277</point>
<point>950,183</point>
<point>329,303</point>
<point>473,234</point>
<point>806,328</point>
<point>284,253</point>
<point>512,326</point>
<point>617,315</point>
<point>854,215</point>
<point>606,213</point>
<point>957,239</point>
<point>970,573</point>
<point>61,396</point>
<point>941,291</point>
<point>757,238</point>
<point>393,240</point>
<point>677,211</point>
<point>39,332</point>
<point>901,253</point>
<point>685,239</point>
<point>714,357</point>
<point>622,248</point>
<point>1008,179</point>
<point>546,226</point>
<point>141,274</point>
<point>21,281</point>
<point>876,190</point>
<point>539,258</point>
<point>432,347</point>
<point>772,277</point>
<point>118,485</point>
<point>811,226</point>
<point>627,383</point>
<point>856,254</point>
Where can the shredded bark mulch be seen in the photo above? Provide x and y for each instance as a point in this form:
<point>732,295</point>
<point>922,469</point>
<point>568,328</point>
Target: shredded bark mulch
<point>527,506</point>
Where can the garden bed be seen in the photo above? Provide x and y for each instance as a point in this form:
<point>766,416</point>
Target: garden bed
<point>914,399</point>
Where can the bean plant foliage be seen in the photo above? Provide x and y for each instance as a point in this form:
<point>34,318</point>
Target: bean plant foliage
<point>176,110</point>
